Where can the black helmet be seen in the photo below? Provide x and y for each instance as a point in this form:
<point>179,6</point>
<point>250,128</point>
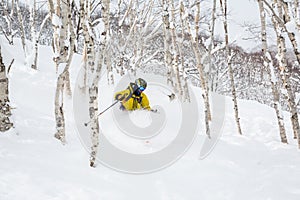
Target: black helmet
<point>141,83</point>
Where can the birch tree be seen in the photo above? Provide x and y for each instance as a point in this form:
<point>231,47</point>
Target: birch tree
<point>194,39</point>
<point>280,18</point>
<point>167,40</point>
<point>31,49</point>
<point>21,27</point>
<point>90,59</point>
<point>223,4</point>
<point>9,32</point>
<point>182,57</point>
<point>283,20</point>
<point>93,88</point>
<point>172,47</point>
<point>5,109</point>
<point>63,31</point>
<point>177,54</point>
<point>271,73</point>
<point>287,90</point>
<point>136,28</point>
<point>296,13</point>
<point>93,61</point>
<point>211,44</point>
<point>291,24</point>
<point>34,50</point>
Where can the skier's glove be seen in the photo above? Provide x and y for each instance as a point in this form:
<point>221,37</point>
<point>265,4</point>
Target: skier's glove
<point>154,110</point>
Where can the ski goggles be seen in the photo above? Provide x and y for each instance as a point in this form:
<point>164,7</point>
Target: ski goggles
<point>141,88</point>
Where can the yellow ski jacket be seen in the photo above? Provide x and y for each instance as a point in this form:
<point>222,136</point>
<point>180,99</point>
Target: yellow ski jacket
<point>131,101</point>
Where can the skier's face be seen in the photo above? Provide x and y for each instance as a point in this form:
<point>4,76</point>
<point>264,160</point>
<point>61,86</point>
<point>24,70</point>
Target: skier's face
<point>141,89</point>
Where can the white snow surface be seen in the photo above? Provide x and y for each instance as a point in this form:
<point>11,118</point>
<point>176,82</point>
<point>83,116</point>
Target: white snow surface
<point>36,166</point>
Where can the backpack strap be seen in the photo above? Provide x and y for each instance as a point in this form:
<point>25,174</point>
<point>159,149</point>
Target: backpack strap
<point>125,95</point>
<point>132,88</point>
<point>137,98</point>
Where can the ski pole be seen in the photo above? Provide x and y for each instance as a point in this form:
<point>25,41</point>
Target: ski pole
<point>102,112</point>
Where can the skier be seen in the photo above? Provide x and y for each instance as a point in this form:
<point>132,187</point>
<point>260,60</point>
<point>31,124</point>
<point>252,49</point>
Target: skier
<point>133,97</point>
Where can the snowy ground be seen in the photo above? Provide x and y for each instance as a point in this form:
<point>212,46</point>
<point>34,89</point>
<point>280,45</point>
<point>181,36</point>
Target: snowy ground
<point>35,166</point>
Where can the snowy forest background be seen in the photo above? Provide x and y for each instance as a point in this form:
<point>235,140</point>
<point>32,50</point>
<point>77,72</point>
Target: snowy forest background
<point>250,73</point>
<point>176,39</point>
<point>163,34</point>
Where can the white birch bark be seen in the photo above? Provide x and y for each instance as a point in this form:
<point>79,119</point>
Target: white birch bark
<point>58,42</point>
<point>31,51</point>
<point>63,53</point>
<point>284,73</point>
<point>5,110</point>
<point>297,13</point>
<point>210,46</point>
<point>201,66</point>
<point>283,20</point>
<point>9,33</point>
<point>21,26</point>
<point>58,109</point>
<point>93,68</point>
<point>291,32</point>
<point>108,58</point>
<point>34,40</point>
<point>177,68</point>
<point>230,70</point>
<point>271,75</point>
<point>167,40</point>
<point>287,86</point>
<point>105,50</point>
<point>93,90</point>
<point>183,33</point>
<point>194,39</point>
<point>63,35</point>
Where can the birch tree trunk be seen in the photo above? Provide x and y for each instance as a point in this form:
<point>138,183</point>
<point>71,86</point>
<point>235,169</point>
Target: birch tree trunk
<point>287,85</point>
<point>89,55</point>
<point>290,32</point>
<point>9,33</point>
<point>31,53</point>
<point>60,15</point>
<point>5,110</point>
<point>297,13</point>
<point>63,80</point>
<point>59,112</point>
<point>176,51</point>
<point>34,39</point>
<point>21,26</point>
<point>95,75</point>
<point>63,35</point>
<point>194,38</point>
<point>183,33</point>
<point>230,70</point>
<point>167,40</point>
<point>93,68</point>
<point>58,44</point>
<point>283,19</point>
<point>271,73</point>
<point>211,44</point>
<point>286,82</point>
<point>284,72</point>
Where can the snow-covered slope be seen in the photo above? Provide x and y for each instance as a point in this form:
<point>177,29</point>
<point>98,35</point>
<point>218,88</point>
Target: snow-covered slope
<point>35,166</point>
